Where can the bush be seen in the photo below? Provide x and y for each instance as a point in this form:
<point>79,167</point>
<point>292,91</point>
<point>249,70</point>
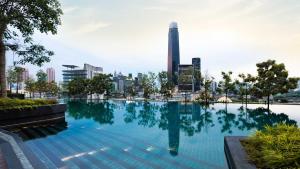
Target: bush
<point>275,147</point>
<point>6,103</point>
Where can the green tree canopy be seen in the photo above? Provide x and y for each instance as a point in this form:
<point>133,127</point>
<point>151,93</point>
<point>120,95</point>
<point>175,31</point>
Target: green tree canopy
<point>226,85</point>
<point>101,83</point>
<point>272,79</point>
<point>41,83</point>
<point>30,86</point>
<point>77,87</point>
<point>166,85</point>
<point>19,19</point>
<point>149,84</point>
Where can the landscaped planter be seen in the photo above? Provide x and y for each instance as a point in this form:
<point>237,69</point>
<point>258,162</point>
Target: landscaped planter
<point>28,116</point>
<point>236,155</point>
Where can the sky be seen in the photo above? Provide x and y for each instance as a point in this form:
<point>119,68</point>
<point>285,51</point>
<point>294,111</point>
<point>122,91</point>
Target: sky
<point>132,36</point>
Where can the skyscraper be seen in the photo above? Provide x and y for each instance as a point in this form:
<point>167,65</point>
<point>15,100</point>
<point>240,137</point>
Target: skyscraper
<point>50,75</point>
<point>197,73</point>
<point>196,63</point>
<point>173,52</point>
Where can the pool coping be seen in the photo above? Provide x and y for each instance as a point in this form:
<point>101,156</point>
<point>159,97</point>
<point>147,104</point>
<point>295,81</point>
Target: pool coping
<point>235,153</point>
<point>16,154</point>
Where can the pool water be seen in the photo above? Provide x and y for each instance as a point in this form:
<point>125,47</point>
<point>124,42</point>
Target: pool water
<point>120,134</point>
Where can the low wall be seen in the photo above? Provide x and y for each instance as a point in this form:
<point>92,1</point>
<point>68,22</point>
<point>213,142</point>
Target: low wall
<point>32,116</point>
<point>236,155</point>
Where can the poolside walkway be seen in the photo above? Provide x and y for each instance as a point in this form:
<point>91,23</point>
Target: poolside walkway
<point>15,154</point>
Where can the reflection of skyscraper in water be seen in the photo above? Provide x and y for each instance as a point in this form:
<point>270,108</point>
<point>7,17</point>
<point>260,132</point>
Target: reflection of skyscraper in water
<point>173,128</point>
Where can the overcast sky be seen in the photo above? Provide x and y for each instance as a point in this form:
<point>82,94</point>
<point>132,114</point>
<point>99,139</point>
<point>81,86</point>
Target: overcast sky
<point>132,35</point>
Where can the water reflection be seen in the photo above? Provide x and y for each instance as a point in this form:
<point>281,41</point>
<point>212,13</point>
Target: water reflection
<point>259,117</point>
<point>101,112</point>
<point>35,132</point>
<point>178,118</point>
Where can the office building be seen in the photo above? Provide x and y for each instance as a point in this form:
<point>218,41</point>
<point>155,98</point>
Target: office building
<point>196,62</point>
<point>73,71</point>
<point>173,52</point>
<point>186,78</point>
<point>50,75</point>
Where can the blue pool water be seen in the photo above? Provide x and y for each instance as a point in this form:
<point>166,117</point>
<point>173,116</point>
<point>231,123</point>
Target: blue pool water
<point>116,134</point>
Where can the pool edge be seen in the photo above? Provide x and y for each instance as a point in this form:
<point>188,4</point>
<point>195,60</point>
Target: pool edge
<point>235,153</point>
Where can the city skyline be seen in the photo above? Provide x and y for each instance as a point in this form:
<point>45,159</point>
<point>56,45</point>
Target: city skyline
<point>225,35</point>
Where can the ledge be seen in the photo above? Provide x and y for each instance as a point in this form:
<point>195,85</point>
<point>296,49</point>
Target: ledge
<point>236,155</point>
<point>30,116</point>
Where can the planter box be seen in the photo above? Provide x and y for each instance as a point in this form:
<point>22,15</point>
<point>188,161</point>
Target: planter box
<point>236,155</point>
<point>30,116</point>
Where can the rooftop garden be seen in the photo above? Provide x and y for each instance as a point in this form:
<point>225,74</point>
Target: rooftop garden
<point>275,147</point>
<point>6,103</point>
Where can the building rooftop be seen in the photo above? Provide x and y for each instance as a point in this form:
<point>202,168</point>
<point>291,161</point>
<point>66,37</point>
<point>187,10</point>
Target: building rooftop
<point>70,66</point>
<point>173,25</point>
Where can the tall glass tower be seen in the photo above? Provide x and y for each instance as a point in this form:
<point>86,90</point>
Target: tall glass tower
<point>173,52</point>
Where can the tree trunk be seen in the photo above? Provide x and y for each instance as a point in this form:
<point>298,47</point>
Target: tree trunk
<point>3,92</point>
<point>226,93</point>
<point>17,88</point>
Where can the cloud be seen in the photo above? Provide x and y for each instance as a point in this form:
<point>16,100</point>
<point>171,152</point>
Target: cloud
<point>69,9</point>
<point>91,27</point>
<point>156,8</point>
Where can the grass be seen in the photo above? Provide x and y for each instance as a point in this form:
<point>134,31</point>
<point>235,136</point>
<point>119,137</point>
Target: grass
<point>6,103</point>
<point>275,147</point>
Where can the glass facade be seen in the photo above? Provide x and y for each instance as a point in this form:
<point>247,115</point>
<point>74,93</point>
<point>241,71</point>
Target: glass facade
<point>173,52</point>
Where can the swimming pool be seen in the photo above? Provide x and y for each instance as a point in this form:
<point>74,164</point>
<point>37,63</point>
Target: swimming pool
<point>120,134</point>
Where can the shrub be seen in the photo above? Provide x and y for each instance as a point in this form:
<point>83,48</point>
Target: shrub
<point>275,147</point>
<point>6,103</point>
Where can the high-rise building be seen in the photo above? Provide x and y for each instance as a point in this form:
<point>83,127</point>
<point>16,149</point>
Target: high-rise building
<point>173,52</point>
<point>25,74</point>
<point>50,75</point>
<point>196,62</point>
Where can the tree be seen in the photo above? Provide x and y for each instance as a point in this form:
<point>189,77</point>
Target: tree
<point>18,21</point>
<point>226,85</point>
<point>52,88</point>
<point>130,89</point>
<point>41,83</point>
<point>101,83</point>
<point>11,77</point>
<point>245,85</point>
<point>30,86</point>
<point>166,86</point>
<point>77,87</point>
<point>149,84</point>
<point>272,79</point>
<point>206,94</point>
<point>19,71</point>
